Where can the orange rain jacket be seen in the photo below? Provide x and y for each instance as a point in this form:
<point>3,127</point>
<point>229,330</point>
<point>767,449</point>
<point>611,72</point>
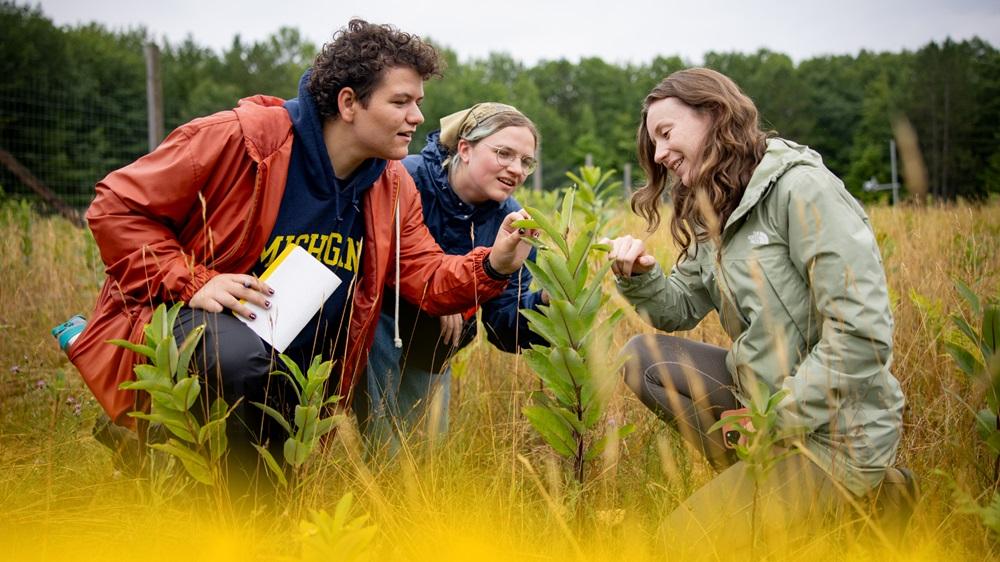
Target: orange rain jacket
<point>204,202</point>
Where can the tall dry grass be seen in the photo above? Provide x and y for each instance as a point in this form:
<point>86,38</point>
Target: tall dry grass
<point>491,489</point>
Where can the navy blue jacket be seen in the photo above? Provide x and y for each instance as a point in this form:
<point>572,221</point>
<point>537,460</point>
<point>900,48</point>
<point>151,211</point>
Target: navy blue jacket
<point>457,228</point>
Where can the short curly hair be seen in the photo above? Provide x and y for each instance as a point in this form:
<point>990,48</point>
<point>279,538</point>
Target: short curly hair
<point>359,55</point>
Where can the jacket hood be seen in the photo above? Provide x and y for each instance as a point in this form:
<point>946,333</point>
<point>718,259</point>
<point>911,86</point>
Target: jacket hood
<point>265,125</point>
<point>781,155</point>
<point>428,166</point>
<point>308,128</point>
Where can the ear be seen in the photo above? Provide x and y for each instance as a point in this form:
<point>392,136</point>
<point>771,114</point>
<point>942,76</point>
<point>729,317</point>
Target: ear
<point>347,104</point>
<point>464,150</point>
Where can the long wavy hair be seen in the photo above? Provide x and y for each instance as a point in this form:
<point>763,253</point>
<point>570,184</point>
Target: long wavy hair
<point>734,145</point>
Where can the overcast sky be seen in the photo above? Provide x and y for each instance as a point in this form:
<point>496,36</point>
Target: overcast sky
<point>531,30</point>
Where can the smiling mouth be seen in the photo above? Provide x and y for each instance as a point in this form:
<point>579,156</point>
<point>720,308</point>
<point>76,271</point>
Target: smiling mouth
<point>507,181</point>
<point>675,164</point>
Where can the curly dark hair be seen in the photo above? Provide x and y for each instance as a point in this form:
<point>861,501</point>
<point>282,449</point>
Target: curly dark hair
<point>359,55</point>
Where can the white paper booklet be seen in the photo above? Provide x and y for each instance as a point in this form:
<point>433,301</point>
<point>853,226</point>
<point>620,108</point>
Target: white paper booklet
<point>301,285</point>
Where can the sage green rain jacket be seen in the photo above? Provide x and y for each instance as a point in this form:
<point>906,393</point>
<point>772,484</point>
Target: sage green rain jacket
<point>801,291</point>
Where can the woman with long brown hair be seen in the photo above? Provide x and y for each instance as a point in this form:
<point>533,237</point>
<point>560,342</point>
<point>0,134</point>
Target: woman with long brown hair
<point>772,240</point>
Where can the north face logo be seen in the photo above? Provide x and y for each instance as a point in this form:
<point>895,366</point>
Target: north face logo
<point>757,238</point>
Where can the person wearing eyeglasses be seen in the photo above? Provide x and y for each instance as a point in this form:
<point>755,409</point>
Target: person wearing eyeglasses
<point>466,176</point>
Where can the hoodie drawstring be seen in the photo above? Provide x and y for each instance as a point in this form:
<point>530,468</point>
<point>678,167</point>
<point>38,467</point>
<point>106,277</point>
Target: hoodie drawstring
<point>397,341</point>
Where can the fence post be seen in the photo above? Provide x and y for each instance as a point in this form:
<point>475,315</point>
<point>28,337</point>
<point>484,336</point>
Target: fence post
<point>154,95</point>
<point>627,179</point>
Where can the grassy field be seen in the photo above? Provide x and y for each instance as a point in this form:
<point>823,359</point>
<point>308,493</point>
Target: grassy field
<point>491,489</point>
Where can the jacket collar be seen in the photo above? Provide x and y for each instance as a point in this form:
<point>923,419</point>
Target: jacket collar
<point>781,155</point>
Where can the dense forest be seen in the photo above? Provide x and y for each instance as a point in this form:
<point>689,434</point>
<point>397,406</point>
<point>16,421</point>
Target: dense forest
<point>73,101</point>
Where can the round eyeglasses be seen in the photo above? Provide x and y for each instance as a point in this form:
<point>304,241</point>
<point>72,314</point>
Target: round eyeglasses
<point>506,156</point>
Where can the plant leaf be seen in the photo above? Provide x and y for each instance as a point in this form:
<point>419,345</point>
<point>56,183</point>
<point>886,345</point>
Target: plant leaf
<point>556,432</point>
<point>193,463</point>
<point>143,350</point>
<point>272,465</point>
<point>275,415</point>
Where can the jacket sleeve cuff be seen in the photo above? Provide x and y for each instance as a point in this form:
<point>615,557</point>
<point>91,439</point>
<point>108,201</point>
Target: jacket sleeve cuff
<point>492,273</point>
<point>201,276</point>
<point>634,282</point>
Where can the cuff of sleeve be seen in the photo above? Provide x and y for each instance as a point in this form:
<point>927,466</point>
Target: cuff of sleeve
<point>636,281</point>
<point>492,273</point>
<point>201,276</point>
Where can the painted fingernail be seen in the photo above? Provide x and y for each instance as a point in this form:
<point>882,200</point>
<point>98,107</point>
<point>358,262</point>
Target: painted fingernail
<point>267,304</point>
<point>253,316</point>
<point>246,284</point>
<point>270,291</point>
<point>520,231</point>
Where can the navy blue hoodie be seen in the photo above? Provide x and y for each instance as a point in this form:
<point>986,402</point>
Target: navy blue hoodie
<point>321,213</point>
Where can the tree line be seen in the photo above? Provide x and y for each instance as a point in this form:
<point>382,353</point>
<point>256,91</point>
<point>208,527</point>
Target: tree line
<point>73,101</point>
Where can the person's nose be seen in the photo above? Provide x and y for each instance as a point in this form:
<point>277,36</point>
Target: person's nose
<point>415,116</point>
<point>661,153</point>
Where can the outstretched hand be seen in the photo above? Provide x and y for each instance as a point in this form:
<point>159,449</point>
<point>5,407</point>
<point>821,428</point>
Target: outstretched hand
<point>629,256</point>
<point>226,290</point>
<point>510,249</point>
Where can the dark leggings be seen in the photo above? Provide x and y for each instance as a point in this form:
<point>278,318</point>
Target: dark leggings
<point>234,363</point>
<point>687,384</point>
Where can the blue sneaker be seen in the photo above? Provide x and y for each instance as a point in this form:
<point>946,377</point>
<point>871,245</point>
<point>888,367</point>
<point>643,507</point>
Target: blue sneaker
<point>67,332</point>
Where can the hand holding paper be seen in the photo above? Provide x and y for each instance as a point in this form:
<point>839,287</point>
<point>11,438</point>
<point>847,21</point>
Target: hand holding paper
<point>301,285</point>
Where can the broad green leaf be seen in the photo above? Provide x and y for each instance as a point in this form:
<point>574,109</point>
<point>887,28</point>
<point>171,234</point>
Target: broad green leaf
<point>986,423</point>
<point>596,448</point>
<point>174,421</point>
<point>293,368</point>
<point>553,378</point>
<point>969,296</point>
<point>272,464</point>
<point>162,361</point>
<point>188,348</point>
<point>966,329</point>
<point>549,229</point>
<point>150,372</point>
<point>542,277</point>
<point>990,343</point>
<point>965,360</point>
<point>544,327</point>
<point>556,432</point>
<point>186,392</point>
<point>193,463</point>
<point>296,452</point>
<point>777,397</point>
<point>275,415</point>
<point>555,265</point>
<point>571,419</point>
<point>173,355</point>
<point>526,223</point>
<point>309,425</point>
<point>303,414</point>
<point>566,322</point>
<point>566,216</point>
<point>171,318</point>
<point>143,350</point>
<point>578,254</point>
<point>218,441</point>
<point>147,385</point>
<point>327,424</point>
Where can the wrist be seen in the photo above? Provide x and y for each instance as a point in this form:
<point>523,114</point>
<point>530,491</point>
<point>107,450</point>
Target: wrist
<point>491,271</point>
